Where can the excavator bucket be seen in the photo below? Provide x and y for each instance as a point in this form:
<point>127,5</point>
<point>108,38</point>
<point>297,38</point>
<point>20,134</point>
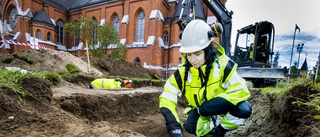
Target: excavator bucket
<point>261,72</point>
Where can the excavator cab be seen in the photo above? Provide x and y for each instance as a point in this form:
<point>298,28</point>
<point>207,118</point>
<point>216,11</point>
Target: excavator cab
<point>254,45</point>
<point>253,54</point>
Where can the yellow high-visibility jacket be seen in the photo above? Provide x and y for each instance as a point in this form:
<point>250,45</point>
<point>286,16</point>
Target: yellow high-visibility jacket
<point>223,82</point>
<point>105,83</point>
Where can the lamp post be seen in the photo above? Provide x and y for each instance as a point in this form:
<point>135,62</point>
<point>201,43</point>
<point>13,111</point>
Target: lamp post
<point>294,36</point>
<point>299,49</point>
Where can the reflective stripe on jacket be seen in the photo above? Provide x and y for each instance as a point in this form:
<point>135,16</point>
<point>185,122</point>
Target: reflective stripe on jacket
<point>105,83</point>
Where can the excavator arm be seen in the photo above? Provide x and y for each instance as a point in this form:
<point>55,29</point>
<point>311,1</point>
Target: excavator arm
<point>225,18</point>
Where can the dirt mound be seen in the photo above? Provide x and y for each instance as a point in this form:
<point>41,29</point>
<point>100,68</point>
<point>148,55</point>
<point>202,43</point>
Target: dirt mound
<point>44,60</point>
<point>56,61</point>
<point>281,116</point>
<point>116,68</point>
<point>256,124</point>
<point>294,114</point>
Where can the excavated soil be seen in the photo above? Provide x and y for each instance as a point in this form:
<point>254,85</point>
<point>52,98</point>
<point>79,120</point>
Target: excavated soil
<point>69,108</point>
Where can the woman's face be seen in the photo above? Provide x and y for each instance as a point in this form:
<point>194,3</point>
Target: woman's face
<point>196,58</point>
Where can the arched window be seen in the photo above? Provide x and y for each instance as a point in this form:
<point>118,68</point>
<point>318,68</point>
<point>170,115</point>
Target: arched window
<point>12,19</point>
<point>166,39</point>
<point>49,36</point>
<point>140,27</point>
<point>137,61</point>
<point>115,23</point>
<point>76,38</point>
<point>38,34</point>
<point>60,32</point>
<point>94,33</point>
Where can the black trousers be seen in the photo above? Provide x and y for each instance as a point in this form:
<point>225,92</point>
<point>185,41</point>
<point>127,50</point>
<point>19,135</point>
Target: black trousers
<point>241,110</point>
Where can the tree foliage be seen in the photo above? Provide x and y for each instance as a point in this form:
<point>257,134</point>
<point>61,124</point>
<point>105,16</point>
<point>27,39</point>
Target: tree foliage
<point>276,59</point>
<point>107,35</point>
<point>119,53</point>
<point>97,38</point>
<point>314,72</point>
<point>294,70</point>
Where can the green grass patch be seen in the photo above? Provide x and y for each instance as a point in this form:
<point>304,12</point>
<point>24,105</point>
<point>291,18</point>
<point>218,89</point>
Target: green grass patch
<point>72,68</point>
<point>9,58</point>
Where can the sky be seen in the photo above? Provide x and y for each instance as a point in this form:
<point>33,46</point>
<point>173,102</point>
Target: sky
<point>284,14</point>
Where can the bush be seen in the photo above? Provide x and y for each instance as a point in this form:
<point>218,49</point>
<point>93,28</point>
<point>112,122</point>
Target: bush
<point>8,59</point>
<point>119,53</point>
<point>64,72</point>
<point>72,68</point>
<point>11,57</point>
<point>53,78</point>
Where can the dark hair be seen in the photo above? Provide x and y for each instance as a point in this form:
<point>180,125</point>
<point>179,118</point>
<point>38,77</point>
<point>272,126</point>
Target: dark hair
<point>210,54</point>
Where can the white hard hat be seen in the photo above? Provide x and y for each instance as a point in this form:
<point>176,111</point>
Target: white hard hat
<point>195,36</point>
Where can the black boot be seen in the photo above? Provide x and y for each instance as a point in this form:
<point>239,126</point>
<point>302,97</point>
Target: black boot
<point>219,131</point>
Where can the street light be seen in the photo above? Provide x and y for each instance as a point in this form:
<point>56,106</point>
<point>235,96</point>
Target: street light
<point>299,49</point>
<point>294,37</point>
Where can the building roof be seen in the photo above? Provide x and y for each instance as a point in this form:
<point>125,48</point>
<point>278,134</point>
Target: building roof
<point>304,65</point>
<point>199,10</point>
<point>43,18</point>
<point>63,4</point>
<point>77,4</point>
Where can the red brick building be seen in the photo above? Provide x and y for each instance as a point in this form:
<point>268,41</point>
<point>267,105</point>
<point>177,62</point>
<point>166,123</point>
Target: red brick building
<point>147,27</point>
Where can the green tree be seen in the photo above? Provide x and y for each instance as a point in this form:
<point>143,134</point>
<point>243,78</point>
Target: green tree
<point>294,69</point>
<point>82,29</point>
<point>275,62</point>
<point>314,72</point>
<point>86,28</point>
<point>107,35</point>
<point>119,53</point>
